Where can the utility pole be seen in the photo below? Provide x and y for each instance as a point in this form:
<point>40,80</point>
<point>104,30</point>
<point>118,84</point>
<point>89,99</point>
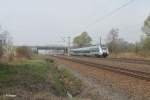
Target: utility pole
<point>100,41</point>
<point>69,38</point>
<point>65,44</point>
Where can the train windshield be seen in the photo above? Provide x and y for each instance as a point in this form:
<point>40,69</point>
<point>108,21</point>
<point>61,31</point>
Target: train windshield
<point>96,49</point>
<point>104,48</point>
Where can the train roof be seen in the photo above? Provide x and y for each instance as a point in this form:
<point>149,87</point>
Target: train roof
<point>88,47</point>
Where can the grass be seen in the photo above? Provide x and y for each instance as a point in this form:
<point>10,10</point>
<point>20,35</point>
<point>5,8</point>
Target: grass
<point>28,72</point>
<point>131,55</point>
<point>36,76</point>
<point>63,81</point>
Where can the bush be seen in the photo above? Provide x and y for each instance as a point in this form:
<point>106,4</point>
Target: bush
<point>24,52</point>
<point>63,81</point>
<point>28,74</point>
<point>1,52</point>
<point>146,44</point>
<point>37,75</point>
<point>71,83</point>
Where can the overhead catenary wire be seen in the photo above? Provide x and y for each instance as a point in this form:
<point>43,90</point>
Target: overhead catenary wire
<point>109,14</point>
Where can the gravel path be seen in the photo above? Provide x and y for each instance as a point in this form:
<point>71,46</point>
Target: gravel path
<point>106,85</point>
<point>132,66</point>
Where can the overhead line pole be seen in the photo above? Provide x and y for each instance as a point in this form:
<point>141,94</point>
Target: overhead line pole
<point>69,38</point>
<point>100,40</point>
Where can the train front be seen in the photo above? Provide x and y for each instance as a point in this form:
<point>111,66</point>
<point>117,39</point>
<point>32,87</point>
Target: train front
<point>104,51</point>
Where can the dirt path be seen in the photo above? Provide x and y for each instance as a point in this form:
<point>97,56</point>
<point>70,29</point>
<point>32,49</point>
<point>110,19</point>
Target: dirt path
<point>106,85</point>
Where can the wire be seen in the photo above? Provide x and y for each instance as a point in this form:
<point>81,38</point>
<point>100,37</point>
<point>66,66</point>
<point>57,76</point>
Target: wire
<point>110,13</point>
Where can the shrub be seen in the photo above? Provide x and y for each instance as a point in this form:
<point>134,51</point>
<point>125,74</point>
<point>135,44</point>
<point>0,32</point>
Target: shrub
<point>71,83</point>
<point>1,52</point>
<point>63,81</point>
<point>25,75</point>
<point>24,52</point>
<point>146,44</point>
<point>37,76</point>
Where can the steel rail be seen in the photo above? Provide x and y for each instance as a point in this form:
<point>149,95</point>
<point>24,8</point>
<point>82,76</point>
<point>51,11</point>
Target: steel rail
<point>134,73</point>
<point>124,60</point>
<point>137,61</point>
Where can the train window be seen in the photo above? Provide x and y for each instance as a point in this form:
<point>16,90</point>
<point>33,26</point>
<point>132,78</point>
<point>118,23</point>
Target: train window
<point>104,48</point>
<point>95,50</point>
<point>82,51</point>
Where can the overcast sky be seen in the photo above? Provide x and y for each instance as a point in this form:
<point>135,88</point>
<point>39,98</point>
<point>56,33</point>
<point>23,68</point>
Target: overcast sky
<point>46,22</point>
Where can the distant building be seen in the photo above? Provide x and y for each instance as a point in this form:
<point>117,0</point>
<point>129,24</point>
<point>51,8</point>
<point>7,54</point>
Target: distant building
<point>5,41</point>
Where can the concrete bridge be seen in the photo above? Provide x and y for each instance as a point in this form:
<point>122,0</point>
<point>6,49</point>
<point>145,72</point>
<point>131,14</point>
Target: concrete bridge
<point>49,49</point>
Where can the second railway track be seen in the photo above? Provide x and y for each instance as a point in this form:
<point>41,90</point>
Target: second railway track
<point>137,61</point>
<point>124,60</point>
<point>134,73</point>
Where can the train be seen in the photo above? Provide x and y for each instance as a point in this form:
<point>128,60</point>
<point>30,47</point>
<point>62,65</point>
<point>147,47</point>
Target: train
<point>95,50</point>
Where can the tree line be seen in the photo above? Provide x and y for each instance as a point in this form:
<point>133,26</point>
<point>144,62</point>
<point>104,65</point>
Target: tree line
<point>118,45</point>
<point>114,42</point>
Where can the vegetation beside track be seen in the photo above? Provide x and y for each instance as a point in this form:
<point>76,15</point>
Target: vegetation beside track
<point>30,77</point>
<point>130,55</point>
<point>64,82</point>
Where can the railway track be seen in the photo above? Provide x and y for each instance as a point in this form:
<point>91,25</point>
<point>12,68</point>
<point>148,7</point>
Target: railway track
<point>137,61</point>
<point>125,60</point>
<point>134,73</point>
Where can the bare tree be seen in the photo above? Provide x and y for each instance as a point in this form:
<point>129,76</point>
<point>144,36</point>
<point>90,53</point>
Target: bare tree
<point>112,39</point>
<point>24,52</point>
<point>146,27</point>
<point>113,35</point>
